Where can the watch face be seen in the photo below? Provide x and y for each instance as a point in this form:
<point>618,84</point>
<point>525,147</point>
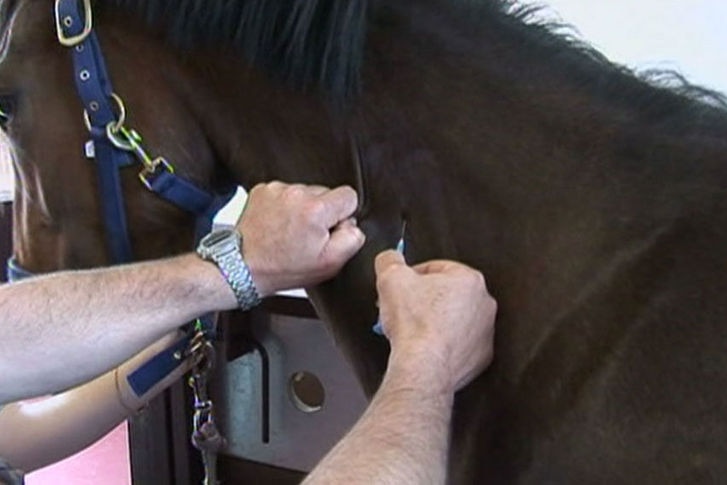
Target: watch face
<point>219,242</point>
<point>217,237</point>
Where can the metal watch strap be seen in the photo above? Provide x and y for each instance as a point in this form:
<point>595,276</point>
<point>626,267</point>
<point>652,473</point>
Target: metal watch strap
<point>238,275</point>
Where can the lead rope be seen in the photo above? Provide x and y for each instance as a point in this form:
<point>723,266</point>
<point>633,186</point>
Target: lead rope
<point>206,437</point>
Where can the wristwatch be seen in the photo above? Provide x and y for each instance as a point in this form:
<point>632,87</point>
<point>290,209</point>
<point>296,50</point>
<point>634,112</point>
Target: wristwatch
<point>223,247</point>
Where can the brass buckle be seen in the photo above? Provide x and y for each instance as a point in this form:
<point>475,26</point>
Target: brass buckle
<point>201,351</point>
<point>74,39</point>
<point>151,170</point>
<point>129,140</point>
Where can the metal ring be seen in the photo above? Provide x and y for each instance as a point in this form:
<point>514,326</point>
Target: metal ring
<point>116,126</point>
<point>70,41</point>
<point>119,142</point>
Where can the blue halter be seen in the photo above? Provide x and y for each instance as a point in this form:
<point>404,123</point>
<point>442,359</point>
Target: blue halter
<point>114,147</point>
<point>112,144</point>
<point>95,90</point>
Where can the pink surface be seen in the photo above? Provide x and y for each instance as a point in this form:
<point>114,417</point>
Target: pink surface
<point>104,463</point>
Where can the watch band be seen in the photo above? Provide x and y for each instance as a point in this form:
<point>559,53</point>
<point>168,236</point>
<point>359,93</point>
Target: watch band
<point>223,247</point>
<point>238,276</point>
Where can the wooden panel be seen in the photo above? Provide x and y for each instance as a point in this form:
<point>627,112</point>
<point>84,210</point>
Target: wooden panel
<point>149,444</point>
<point>159,441</point>
<point>234,471</point>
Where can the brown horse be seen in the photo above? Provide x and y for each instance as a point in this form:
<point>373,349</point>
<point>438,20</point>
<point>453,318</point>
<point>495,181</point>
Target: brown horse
<point>594,201</point>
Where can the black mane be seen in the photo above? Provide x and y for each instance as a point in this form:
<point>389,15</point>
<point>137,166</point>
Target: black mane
<point>305,42</point>
<point>319,44</point>
<point>569,49</point>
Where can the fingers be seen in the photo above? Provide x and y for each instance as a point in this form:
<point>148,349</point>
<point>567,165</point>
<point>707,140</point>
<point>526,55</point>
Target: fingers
<point>436,266</point>
<point>451,268</point>
<point>329,206</point>
<point>439,266</point>
<point>315,190</point>
<point>387,260</point>
<point>338,204</point>
<point>345,241</point>
<point>350,222</point>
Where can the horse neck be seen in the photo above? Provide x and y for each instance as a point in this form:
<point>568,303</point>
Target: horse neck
<point>514,120</point>
<point>528,170</point>
<point>261,130</point>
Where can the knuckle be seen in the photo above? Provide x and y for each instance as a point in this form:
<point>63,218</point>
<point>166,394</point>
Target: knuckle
<point>389,277</point>
<point>474,278</point>
<point>349,193</point>
<point>314,209</point>
<point>379,257</point>
<point>479,279</point>
<point>294,190</point>
<point>352,239</point>
<point>259,187</point>
<point>492,303</point>
<point>291,195</point>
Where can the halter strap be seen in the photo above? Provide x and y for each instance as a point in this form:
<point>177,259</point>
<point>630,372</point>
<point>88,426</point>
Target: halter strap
<point>159,366</point>
<point>104,113</point>
<point>95,91</point>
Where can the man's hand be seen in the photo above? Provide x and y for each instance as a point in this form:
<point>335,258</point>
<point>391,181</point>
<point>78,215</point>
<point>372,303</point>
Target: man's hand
<point>298,235</point>
<point>438,317</point>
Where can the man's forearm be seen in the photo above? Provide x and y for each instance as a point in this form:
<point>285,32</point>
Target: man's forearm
<point>402,437</point>
<point>77,325</point>
<point>40,432</point>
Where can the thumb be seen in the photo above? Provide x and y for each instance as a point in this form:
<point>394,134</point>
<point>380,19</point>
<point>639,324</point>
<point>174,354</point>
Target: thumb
<point>387,259</point>
<point>344,242</point>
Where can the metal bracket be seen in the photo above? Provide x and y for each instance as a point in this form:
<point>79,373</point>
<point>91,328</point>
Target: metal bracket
<point>261,414</point>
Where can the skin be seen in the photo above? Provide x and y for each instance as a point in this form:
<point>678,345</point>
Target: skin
<point>310,233</point>
<point>41,432</point>
<point>435,315</point>
<point>126,308</point>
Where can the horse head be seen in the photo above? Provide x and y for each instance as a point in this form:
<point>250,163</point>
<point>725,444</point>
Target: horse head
<point>57,211</point>
<point>214,116</point>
